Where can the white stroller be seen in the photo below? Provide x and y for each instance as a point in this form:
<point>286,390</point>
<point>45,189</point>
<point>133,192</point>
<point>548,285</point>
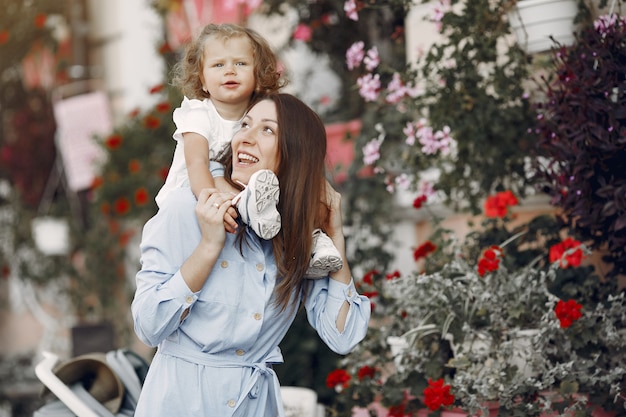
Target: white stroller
<point>92,385</point>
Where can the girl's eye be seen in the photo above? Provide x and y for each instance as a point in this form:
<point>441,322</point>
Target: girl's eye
<point>244,125</point>
<point>268,129</point>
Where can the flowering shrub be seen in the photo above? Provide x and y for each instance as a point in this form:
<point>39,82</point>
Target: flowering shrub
<point>445,112</point>
<point>581,125</point>
<point>138,156</point>
<point>487,324</point>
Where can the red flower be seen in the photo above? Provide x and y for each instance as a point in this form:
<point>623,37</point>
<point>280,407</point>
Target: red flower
<point>303,33</point>
<point>163,172</point>
<point>133,113</point>
<point>397,410</point>
<point>121,206</point>
<point>338,379</point>
<point>163,107</point>
<point>155,89</point>
<point>113,142</point>
<point>567,312</point>
<point>141,196</point>
<point>125,238</point>
<point>437,394</point>
<point>368,278</point>
<point>370,294</point>
<point>421,199</point>
<point>424,249</point>
<point>366,371</point>
<point>97,182</point>
<point>490,261</point>
<point>134,166</point>
<point>105,208</point>
<point>571,249</point>
<point>4,36</point>
<point>40,20</point>
<point>394,274</point>
<point>498,204</point>
<point>151,122</point>
<point>165,48</point>
<point>6,271</point>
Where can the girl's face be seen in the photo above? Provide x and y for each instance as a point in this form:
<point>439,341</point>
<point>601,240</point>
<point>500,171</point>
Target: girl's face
<point>255,145</point>
<point>228,69</point>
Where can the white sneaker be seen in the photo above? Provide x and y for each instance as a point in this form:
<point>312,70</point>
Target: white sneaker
<point>257,204</point>
<point>325,258</point>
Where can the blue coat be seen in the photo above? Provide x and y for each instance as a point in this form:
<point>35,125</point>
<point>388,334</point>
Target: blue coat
<point>217,361</point>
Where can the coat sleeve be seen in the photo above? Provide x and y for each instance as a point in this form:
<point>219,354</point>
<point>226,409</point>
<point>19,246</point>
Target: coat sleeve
<point>162,296</point>
<point>325,298</point>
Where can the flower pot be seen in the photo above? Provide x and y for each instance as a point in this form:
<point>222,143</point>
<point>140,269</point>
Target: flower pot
<point>534,21</point>
<point>51,235</point>
<point>523,352</point>
<point>340,149</point>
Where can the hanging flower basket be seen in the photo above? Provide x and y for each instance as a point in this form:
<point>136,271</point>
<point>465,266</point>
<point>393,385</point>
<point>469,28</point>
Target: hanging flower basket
<point>533,22</point>
<point>51,235</point>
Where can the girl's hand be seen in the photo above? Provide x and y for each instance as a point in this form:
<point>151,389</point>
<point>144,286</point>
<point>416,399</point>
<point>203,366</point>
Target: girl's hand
<point>230,224</point>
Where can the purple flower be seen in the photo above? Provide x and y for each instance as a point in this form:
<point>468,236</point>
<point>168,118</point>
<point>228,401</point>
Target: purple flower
<point>604,23</point>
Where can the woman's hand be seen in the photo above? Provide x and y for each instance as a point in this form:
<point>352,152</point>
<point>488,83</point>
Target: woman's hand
<point>335,232</point>
<point>333,201</point>
<point>211,211</point>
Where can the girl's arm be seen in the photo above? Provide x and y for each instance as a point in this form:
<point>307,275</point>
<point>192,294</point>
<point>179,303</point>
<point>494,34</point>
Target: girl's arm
<point>197,160</point>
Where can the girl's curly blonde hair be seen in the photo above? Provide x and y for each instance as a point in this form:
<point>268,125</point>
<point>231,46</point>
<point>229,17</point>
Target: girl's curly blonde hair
<point>186,73</point>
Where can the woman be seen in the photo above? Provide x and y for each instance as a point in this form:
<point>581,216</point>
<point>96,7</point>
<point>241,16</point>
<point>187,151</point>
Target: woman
<point>218,304</point>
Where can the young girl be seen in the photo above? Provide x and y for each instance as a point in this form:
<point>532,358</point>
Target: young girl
<point>224,69</point>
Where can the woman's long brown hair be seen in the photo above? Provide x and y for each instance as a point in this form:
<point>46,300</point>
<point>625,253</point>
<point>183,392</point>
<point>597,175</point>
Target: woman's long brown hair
<point>301,174</point>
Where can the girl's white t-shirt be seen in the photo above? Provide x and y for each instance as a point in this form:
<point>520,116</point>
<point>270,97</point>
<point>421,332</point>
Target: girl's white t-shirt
<point>198,116</point>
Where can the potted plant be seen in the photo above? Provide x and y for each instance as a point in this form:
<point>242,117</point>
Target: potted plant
<point>536,23</point>
<point>461,109</point>
<point>580,128</point>
<point>487,329</point>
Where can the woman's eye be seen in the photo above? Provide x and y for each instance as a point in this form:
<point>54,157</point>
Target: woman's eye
<point>244,125</point>
<point>268,129</point>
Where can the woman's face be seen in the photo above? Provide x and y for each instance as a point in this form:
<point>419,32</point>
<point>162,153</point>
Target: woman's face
<point>255,145</point>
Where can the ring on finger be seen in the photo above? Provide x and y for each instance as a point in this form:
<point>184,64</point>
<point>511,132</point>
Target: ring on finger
<point>216,205</point>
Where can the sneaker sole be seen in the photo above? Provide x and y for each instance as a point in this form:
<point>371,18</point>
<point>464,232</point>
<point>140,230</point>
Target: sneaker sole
<point>265,221</point>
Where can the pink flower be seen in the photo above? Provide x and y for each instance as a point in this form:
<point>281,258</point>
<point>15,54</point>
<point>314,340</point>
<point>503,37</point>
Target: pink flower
<point>369,86</point>
<point>351,10</point>
<point>355,54</point>
<point>397,89</point>
<point>303,33</point>
<point>372,60</point>
<point>371,151</point>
